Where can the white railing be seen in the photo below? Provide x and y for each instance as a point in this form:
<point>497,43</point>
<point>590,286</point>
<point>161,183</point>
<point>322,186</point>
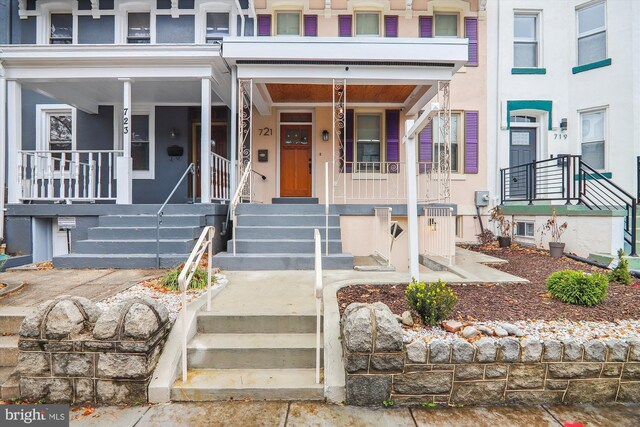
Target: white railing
<point>439,228</point>
<point>318,295</point>
<point>326,208</point>
<point>205,243</point>
<point>245,181</point>
<point>382,234</point>
<point>366,182</point>
<point>67,174</point>
<point>220,177</point>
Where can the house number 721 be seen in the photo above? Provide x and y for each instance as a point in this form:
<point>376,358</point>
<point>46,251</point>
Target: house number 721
<point>265,131</point>
<point>125,121</point>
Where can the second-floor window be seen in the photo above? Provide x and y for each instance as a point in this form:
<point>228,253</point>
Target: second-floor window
<point>525,40</point>
<point>139,28</point>
<point>592,34</point>
<point>217,26</point>
<point>61,28</point>
<point>288,23</point>
<point>446,25</point>
<point>367,24</point>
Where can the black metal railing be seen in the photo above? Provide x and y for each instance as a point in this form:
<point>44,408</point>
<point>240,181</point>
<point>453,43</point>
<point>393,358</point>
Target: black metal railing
<point>567,178</point>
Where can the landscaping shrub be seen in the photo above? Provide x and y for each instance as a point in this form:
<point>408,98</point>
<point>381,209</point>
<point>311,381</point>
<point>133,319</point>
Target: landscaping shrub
<point>577,287</point>
<point>621,274</point>
<point>198,281</point>
<point>432,301</point>
<point>486,237</point>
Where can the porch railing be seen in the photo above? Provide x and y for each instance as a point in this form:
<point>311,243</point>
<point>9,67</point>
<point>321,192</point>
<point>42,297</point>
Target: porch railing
<point>82,175</point>
<point>243,191</point>
<point>569,179</point>
<point>318,291</point>
<point>438,237</point>
<point>220,178</point>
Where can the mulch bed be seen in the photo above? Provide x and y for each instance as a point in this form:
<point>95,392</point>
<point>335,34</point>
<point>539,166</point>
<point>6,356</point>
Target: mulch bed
<point>513,301</point>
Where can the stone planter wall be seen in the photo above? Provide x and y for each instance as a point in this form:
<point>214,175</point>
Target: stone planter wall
<point>71,351</point>
<point>485,372</point>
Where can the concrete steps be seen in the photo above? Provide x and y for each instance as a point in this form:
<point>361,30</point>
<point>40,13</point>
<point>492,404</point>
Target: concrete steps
<point>118,260</point>
<point>213,323</point>
<point>276,261</point>
<point>10,320</point>
<point>282,246</point>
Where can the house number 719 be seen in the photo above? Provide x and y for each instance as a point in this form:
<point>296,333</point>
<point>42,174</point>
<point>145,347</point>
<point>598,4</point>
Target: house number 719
<point>125,121</point>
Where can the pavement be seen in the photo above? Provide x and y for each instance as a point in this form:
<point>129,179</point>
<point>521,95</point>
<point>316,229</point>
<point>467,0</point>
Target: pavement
<point>320,414</point>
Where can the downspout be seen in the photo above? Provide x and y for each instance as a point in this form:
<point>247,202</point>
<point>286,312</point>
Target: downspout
<point>498,104</point>
<point>241,14</point>
<point>3,145</point>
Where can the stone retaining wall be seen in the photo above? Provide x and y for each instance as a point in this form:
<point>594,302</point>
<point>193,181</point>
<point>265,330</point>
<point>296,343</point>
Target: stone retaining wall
<point>71,351</point>
<point>486,372</point>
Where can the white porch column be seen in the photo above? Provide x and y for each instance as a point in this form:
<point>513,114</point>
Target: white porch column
<point>412,200</point>
<point>124,163</point>
<point>3,144</point>
<point>205,142</point>
<point>233,148</point>
<point>14,136</point>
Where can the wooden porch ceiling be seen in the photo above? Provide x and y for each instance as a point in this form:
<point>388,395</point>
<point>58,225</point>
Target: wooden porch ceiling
<point>314,93</point>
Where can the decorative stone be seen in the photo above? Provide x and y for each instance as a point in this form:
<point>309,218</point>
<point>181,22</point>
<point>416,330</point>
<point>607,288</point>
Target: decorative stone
<point>531,350</point>
<point>115,365</point>
<point>356,362</point>
<point>552,351</point>
<point>486,350</point>
<point>512,329</point>
<point>423,383</point>
<point>634,349</point>
<point>91,310</point>
<point>591,391</point>
<point>572,350</point>
<point>144,318</point>
<point>51,390</point>
<point>478,393</point>
<point>127,392</point>
<point>106,326</point>
<point>33,364</point>
<point>30,326</point>
<point>398,318</point>
<point>469,372</point>
<point>351,308</point>
<point>574,370</point>
<point>485,330</point>
<point>556,384</point>
<point>387,362</point>
<point>357,330</point>
<point>631,371</point>
<point>508,350</point>
<point>495,371</point>
<point>611,370</point>
<point>439,351</point>
<point>381,307</point>
<point>462,351</point>
<point>73,365</point>
<point>618,350</point>
<point>84,390</point>
<point>629,392</point>
<point>534,397</point>
<point>452,326</point>
<point>595,351</point>
<point>407,320</point>
<point>469,332</point>
<point>64,320</point>
<point>417,352</point>
<point>388,331</point>
<point>368,390</point>
<point>500,332</point>
<point>526,376</point>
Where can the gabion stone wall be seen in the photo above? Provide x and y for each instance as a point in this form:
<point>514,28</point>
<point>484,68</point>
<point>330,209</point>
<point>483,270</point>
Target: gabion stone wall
<point>71,351</point>
<point>485,372</point>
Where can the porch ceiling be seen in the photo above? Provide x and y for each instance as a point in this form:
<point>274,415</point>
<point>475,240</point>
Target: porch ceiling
<point>314,93</point>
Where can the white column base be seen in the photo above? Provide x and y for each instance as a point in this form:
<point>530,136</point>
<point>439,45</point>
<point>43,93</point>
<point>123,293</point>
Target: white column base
<point>125,183</point>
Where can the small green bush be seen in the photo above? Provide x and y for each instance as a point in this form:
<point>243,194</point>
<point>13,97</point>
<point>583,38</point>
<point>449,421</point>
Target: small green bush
<point>621,274</point>
<point>198,281</point>
<point>577,287</point>
<point>432,301</point>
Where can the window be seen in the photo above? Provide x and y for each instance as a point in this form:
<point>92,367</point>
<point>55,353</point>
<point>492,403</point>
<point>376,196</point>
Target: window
<point>522,119</point>
<point>61,28</point>
<point>459,227</point>
<point>367,24</point>
<point>592,34</point>
<point>288,23</point>
<point>139,28</point>
<point>140,142</point>
<point>525,229</point>
<point>438,144</point>
<point>55,131</point>
<point>446,25</point>
<point>368,131</point>
<point>525,41</point>
<point>217,26</point>
<point>593,138</point>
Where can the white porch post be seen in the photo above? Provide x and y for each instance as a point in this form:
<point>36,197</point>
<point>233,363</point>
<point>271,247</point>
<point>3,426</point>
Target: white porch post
<point>3,144</point>
<point>234,131</point>
<point>14,135</point>
<point>125,162</point>
<point>412,200</point>
<point>205,142</point>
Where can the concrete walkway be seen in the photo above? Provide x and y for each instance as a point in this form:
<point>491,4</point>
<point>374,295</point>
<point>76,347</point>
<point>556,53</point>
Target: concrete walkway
<point>320,414</point>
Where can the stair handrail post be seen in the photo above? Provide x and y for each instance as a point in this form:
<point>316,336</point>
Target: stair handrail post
<point>502,185</point>
<point>236,199</point>
<point>318,295</point>
<point>530,184</point>
<point>638,178</point>
<point>634,224</point>
<point>326,207</point>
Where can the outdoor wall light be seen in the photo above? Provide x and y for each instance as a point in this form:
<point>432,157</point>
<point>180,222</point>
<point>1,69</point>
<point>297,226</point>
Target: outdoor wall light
<point>325,135</point>
<point>563,124</point>
<point>173,133</point>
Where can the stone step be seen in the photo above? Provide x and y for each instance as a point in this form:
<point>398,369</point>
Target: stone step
<point>9,383</point>
<point>151,220</point>
<point>167,246</point>
<point>254,384</point>
<point>11,318</point>
<point>281,246</point>
<point>285,261</point>
<point>284,220</point>
<point>142,233</point>
<point>252,351</point>
<point>211,323</point>
<point>118,260</point>
<point>8,350</point>
<point>279,209</point>
<point>295,200</point>
<point>284,232</point>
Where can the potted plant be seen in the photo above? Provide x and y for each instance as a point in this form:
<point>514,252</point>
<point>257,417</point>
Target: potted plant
<point>556,247</point>
<point>504,226</point>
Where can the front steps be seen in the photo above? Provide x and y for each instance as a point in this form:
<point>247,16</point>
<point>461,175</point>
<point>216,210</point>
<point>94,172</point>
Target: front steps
<point>10,320</point>
<point>266,357</point>
<point>281,237</point>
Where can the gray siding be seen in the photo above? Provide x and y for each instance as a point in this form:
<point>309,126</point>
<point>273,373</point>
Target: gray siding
<point>29,101</point>
<point>175,30</point>
<point>27,31</point>
<point>96,31</point>
<point>5,28</point>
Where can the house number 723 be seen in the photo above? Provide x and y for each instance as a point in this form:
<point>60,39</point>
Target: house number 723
<point>125,121</point>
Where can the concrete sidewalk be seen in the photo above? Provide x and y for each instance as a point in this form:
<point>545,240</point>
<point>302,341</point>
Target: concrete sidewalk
<point>320,414</point>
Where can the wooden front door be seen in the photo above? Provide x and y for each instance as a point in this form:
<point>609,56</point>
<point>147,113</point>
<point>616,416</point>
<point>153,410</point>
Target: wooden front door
<point>295,160</point>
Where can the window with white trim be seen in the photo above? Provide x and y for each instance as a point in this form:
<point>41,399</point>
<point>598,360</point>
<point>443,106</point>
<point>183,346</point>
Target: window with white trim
<point>593,138</point>
<point>367,23</point>
<point>525,229</point>
<point>525,40</point>
<point>288,23</point>
<point>140,142</point>
<point>138,28</point>
<point>445,25</point>
<point>438,143</point>
<point>217,26</point>
<point>56,132</point>
<point>592,33</point>
<point>368,140</point>
<point>61,28</point>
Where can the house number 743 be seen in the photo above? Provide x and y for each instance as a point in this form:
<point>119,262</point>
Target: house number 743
<point>125,120</point>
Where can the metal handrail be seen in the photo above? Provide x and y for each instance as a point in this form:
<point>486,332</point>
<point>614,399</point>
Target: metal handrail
<point>190,169</point>
<point>318,294</point>
<point>326,208</point>
<point>205,242</point>
<point>236,199</point>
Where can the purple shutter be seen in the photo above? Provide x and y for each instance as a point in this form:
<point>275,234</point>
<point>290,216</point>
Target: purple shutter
<point>348,139</point>
<point>392,118</point>
<point>391,26</point>
<point>425,149</point>
<point>471,32</point>
<point>344,25</point>
<point>264,25</point>
<point>426,26</point>
<point>471,142</point>
<point>311,25</point>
